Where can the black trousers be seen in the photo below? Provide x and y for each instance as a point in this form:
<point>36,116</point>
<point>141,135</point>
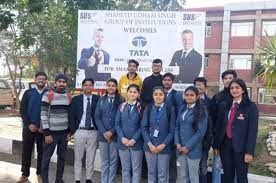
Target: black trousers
<point>29,138</point>
<point>233,162</point>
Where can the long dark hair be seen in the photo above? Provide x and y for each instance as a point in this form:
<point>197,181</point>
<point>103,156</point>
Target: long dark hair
<point>117,98</point>
<point>242,84</point>
<point>198,109</point>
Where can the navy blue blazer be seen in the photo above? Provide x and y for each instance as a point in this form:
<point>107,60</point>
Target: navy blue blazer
<point>185,134</point>
<point>128,125</point>
<point>105,117</point>
<point>175,99</point>
<point>244,129</point>
<point>92,72</point>
<point>166,126</point>
<point>76,112</point>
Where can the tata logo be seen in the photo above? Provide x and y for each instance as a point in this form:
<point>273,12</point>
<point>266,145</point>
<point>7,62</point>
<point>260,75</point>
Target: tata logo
<point>190,17</point>
<point>139,42</point>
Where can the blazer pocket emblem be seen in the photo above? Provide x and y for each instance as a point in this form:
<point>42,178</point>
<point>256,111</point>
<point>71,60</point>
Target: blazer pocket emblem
<point>241,117</point>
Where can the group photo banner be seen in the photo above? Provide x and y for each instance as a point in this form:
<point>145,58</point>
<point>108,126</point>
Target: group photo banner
<point>108,39</point>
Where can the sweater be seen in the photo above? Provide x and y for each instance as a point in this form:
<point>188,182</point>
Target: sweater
<point>54,117</point>
<point>124,82</point>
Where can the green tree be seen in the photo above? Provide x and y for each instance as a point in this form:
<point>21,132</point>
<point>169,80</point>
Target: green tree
<point>266,65</point>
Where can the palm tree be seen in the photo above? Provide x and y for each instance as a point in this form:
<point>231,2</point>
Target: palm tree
<point>266,66</point>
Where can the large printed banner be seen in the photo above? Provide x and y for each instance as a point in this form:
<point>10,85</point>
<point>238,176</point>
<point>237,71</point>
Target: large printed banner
<point>108,39</point>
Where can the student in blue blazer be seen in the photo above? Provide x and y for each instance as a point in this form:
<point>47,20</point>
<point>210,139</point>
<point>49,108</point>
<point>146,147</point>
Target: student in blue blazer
<point>129,140</point>
<point>105,119</point>
<point>190,129</point>
<point>237,133</point>
<point>158,125</point>
<point>175,99</point>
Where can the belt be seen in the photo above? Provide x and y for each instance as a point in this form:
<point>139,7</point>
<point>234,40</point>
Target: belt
<point>91,128</point>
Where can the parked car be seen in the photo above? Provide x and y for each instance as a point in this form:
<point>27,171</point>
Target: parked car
<point>6,93</point>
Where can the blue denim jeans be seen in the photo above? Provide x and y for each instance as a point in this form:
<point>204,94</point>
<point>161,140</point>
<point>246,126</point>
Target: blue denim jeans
<point>216,169</point>
<point>48,149</point>
<point>189,169</point>
<point>109,161</point>
<point>158,167</point>
<point>131,162</point>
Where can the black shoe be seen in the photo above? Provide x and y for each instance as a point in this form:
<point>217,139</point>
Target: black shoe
<point>78,181</point>
<point>88,181</point>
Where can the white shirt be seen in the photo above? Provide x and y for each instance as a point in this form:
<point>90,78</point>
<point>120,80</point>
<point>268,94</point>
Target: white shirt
<point>82,122</point>
<point>133,104</point>
<point>168,92</point>
<point>233,104</point>
<point>186,111</point>
<point>38,90</point>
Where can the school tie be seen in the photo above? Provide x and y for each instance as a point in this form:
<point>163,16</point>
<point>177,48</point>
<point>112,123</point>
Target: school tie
<point>110,102</point>
<point>88,114</point>
<point>130,107</point>
<point>233,111</point>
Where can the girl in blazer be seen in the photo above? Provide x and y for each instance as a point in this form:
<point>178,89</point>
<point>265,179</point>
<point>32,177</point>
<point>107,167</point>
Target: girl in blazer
<point>105,119</point>
<point>190,129</point>
<point>158,125</point>
<point>129,139</point>
<point>237,128</point>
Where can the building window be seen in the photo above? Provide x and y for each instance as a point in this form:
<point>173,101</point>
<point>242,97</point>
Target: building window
<point>240,61</point>
<point>242,29</point>
<point>269,27</point>
<point>208,30</point>
<point>249,92</point>
<point>267,97</point>
<point>206,61</point>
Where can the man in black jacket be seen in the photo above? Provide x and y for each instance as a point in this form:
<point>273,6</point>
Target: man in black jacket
<point>227,76</point>
<point>188,59</point>
<point>200,83</point>
<point>32,130</point>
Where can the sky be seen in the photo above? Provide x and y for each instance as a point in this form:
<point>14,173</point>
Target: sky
<point>210,3</point>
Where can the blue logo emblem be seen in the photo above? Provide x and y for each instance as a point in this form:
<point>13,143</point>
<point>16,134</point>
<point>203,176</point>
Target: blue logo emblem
<point>139,42</point>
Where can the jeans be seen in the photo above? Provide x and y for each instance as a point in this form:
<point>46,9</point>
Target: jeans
<point>158,166</point>
<point>216,168</point>
<point>131,165</point>
<point>109,161</point>
<point>60,141</point>
<point>189,169</point>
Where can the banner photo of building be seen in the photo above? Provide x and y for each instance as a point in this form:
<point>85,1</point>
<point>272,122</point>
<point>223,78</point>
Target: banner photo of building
<point>108,39</point>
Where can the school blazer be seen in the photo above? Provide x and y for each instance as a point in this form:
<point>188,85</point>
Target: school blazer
<point>128,125</point>
<point>244,129</point>
<point>76,112</point>
<point>185,134</point>
<point>105,118</point>
<point>166,127</point>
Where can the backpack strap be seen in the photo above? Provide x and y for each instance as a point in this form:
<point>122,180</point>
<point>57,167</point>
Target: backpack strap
<point>123,106</point>
<point>51,95</point>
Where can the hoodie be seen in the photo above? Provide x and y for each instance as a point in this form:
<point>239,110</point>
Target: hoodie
<point>125,82</point>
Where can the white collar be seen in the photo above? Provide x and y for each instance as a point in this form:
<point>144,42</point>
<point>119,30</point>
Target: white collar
<point>187,51</point>
<point>168,92</point>
<point>85,97</point>
<point>239,101</point>
<point>191,106</point>
<point>132,103</point>
<point>38,90</point>
<point>161,105</point>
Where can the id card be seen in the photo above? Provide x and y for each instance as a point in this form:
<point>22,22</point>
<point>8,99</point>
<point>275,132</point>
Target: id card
<point>155,133</point>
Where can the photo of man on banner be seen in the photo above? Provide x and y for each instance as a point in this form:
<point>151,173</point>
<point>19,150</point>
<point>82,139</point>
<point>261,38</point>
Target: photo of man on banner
<point>188,59</point>
<point>94,56</point>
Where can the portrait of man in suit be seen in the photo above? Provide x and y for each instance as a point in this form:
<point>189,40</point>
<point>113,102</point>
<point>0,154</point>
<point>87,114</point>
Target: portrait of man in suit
<point>94,56</point>
<point>188,59</point>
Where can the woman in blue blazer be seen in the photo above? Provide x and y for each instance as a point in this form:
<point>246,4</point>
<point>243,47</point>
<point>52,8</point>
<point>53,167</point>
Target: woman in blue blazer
<point>105,119</point>
<point>158,125</point>
<point>129,139</point>
<point>190,129</point>
<point>237,127</point>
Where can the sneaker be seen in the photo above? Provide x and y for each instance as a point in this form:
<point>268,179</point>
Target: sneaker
<point>22,179</point>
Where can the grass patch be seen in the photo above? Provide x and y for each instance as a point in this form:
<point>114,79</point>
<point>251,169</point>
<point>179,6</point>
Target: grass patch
<point>261,154</point>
